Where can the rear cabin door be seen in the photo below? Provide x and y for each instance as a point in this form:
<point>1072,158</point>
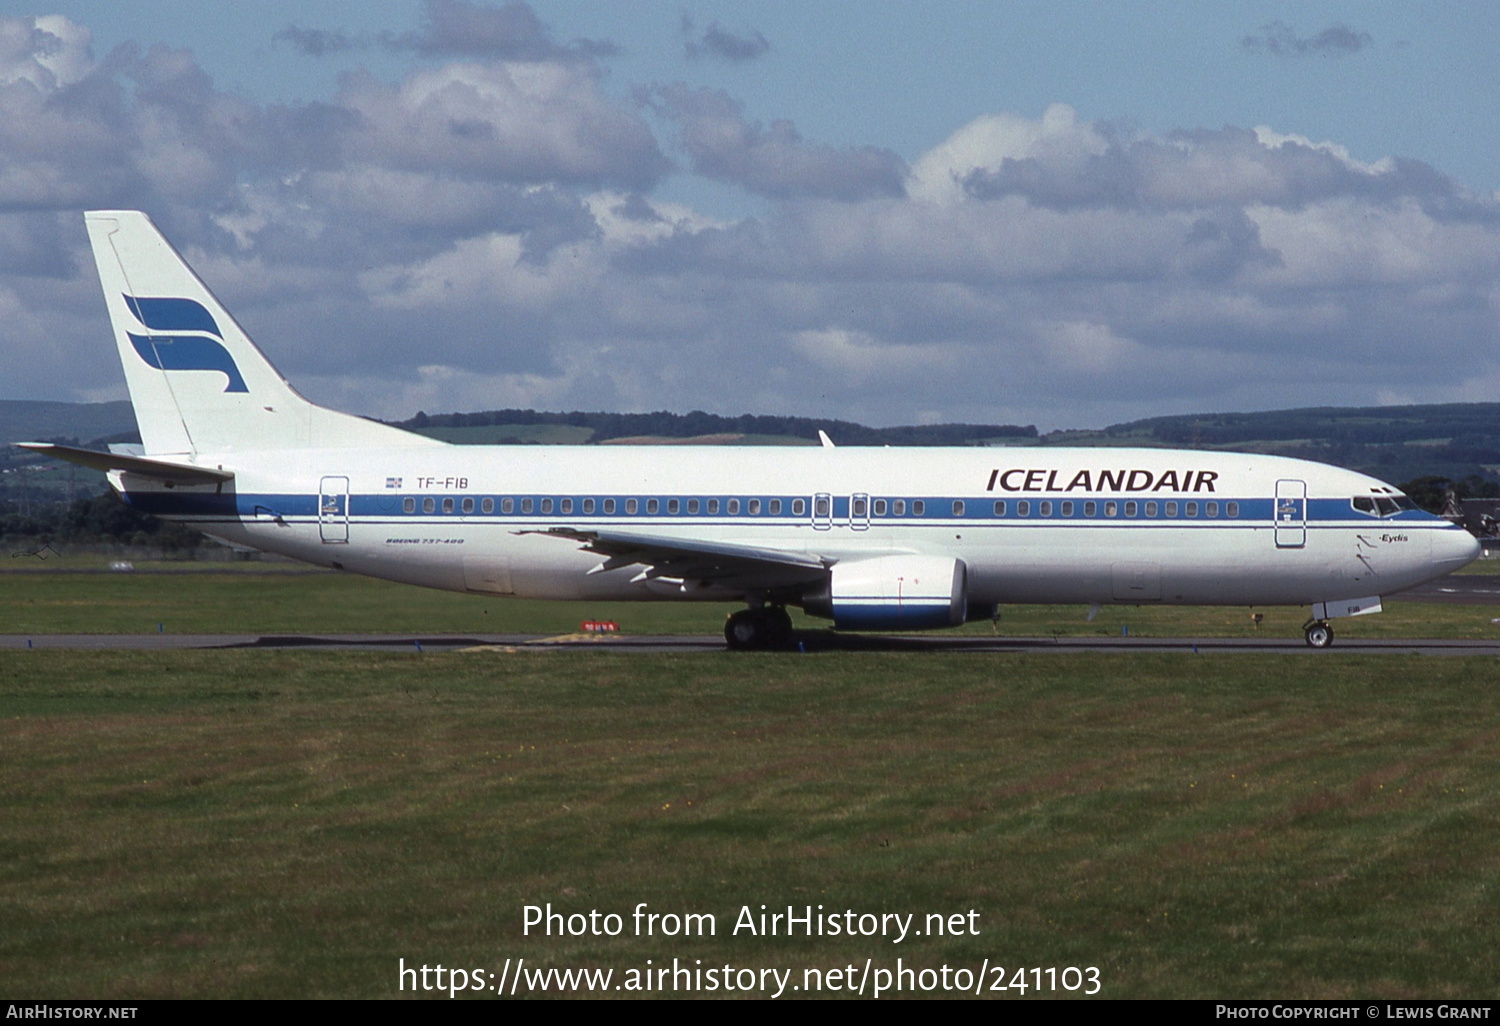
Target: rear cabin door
<point>333,510</point>
<point>1291,514</point>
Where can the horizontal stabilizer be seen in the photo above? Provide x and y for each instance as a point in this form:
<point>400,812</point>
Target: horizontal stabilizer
<point>161,470</point>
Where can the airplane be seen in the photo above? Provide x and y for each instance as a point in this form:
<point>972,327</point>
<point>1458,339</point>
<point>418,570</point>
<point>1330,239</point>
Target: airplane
<point>877,539</point>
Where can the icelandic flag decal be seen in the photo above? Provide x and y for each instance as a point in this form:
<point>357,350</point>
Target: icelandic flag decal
<point>393,482</point>
<point>183,336</point>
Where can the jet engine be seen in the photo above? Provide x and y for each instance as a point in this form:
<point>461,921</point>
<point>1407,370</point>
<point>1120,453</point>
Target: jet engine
<point>892,593</point>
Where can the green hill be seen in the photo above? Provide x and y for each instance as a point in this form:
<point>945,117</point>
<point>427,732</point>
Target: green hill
<point>1394,443</point>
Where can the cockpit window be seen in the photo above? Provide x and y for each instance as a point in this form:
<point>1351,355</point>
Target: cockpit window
<point>1382,505</point>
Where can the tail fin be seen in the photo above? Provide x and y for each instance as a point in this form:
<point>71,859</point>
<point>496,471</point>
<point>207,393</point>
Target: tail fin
<point>198,384</point>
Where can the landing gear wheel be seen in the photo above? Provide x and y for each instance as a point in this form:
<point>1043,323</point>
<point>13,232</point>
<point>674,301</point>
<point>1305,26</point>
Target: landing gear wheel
<point>766,627</point>
<point>1318,634</point>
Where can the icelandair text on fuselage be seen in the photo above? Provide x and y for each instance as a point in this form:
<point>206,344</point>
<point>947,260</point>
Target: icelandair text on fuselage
<point>795,921</point>
<point>1022,479</point>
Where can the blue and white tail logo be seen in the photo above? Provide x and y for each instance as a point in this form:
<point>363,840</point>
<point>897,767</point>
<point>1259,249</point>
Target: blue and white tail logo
<point>183,337</point>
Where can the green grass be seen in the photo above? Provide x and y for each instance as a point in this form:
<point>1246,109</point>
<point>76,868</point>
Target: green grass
<point>208,824</point>
<point>272,598</point>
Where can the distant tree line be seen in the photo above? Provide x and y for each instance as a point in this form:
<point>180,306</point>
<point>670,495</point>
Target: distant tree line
<point>102,519</point>
<point>1432,492</point>
<point>691,425</point>
<point>1468,425</point>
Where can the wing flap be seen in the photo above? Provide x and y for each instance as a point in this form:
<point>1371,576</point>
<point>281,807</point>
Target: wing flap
<point>687,559</point>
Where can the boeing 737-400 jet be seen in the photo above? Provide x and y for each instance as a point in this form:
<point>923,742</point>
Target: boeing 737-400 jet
<point>872,538</point>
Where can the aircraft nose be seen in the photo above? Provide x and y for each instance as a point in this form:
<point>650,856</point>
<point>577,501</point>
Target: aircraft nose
<point>1454,548</point>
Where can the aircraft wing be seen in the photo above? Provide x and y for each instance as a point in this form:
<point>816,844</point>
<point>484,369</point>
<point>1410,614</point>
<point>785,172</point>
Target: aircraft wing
<point>685,559</point>
<point>144,466</point>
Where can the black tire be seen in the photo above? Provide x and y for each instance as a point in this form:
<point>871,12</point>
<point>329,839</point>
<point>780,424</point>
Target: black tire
<point>1318,635</point>
<point>756,629</point>
<point>745,630</point>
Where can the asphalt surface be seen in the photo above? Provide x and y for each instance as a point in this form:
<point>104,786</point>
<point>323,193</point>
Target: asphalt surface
<point>805,641</point>
<point>1463,589</point>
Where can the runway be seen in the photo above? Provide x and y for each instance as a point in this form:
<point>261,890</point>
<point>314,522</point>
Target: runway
<point>805,642</point>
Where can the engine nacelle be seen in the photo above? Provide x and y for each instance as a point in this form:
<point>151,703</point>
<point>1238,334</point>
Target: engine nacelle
<point>893,593</point>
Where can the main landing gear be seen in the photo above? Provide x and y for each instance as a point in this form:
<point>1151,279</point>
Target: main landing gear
<point>1317,633</point>
<point>760,627</point>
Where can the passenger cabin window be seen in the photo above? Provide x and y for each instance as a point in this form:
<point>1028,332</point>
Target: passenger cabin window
<point>487,506</point>
<point>918,507</point>
<point>821,508</point>
<point>1111,508</point>
<point>1171,509</point>
<point>565,505</point>
<point>713,505</point>
<point>1189,509</point>
<point>1044,508</point>
<point>1090,508</point>
<point>799,507</point>
<point>652,505</point>
<point>692,505</point>
<point>631,505</point>
<point>588,505</point>
<point>507,505</point>
<point>609,505</point>
<point>1023,508</point>
<point>1210,509</point>
<point>898,508</point>
<point>408,505</point>
<point>999,507</point>
<point>773,507</point>
<point>525,505</point>
<point>732,507</point>
<point>468,505</point>
<point>753,507</point>
<point>958,507</point>
<point>429,505</point>
<point>1067,508</point>
<point>1130,509</point>
<point>1231,509</point>
<point>546,505</point>
<point>1150,509</point>
<point>673,506</point>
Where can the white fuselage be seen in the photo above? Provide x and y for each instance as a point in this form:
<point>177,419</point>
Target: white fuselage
<point>1029,524</point>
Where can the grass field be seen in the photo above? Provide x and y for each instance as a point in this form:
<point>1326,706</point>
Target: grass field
<point>281,823</point>
<point>284,598</point>
<point>291,824</point>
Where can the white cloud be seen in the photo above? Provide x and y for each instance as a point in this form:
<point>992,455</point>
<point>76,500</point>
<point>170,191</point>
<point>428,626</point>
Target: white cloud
<point>1058,138</point>
<point>489,233</point>
<point>47,51</point>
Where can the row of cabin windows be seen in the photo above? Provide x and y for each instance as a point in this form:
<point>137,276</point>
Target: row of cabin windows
<point>565,506</point>
<point>1113,508</point>
<point>859,507</point>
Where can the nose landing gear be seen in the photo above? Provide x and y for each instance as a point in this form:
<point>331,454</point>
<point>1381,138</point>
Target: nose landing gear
<point>1317,633</point>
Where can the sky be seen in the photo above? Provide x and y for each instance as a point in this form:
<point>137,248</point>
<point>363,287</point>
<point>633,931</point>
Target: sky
<point>1067,214</point>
